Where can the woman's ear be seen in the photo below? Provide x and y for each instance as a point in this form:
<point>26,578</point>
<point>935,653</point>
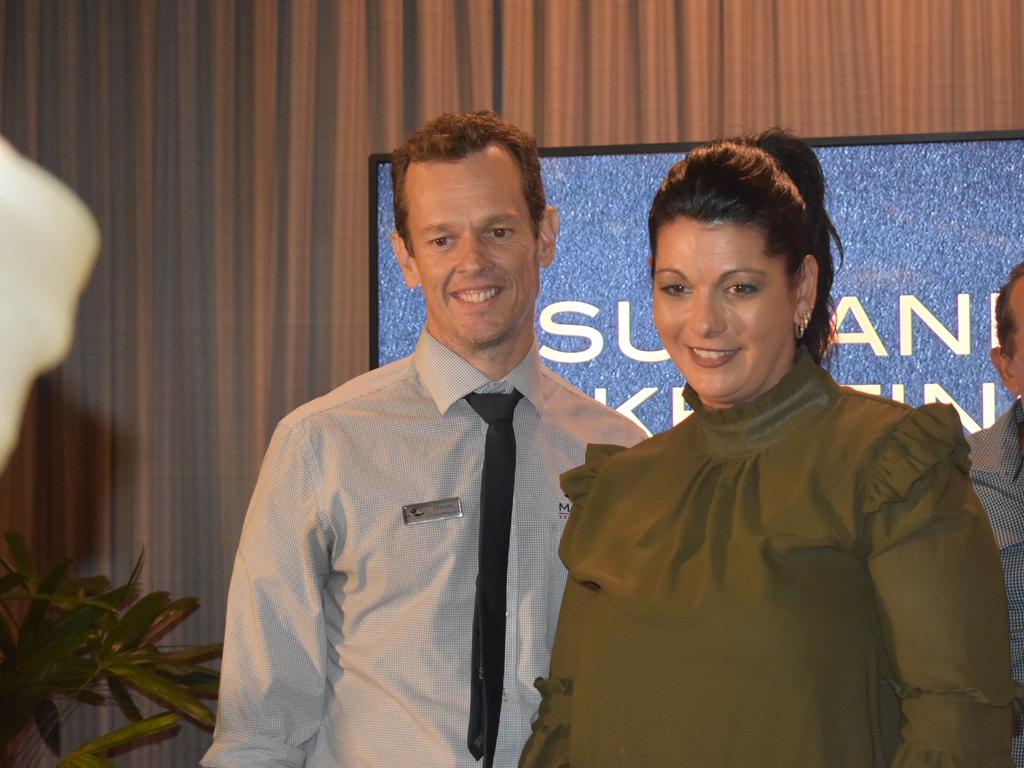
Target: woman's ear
<point>806,287</point>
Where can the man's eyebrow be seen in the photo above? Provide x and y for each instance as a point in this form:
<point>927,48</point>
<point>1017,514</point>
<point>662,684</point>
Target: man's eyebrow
<point>435,228</point>
<point>443,227</point>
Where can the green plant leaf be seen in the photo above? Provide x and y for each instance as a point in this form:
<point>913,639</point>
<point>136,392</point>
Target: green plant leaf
<point>200,687</point>
<point>125,736</point>
<point>136,622</point>
<point>36,662</point>
<point>172,615</point>
<point>193,654</point>
<point>7,642</point>
<point>175,696</point>
<point>85,761</point>
<point>133,578</point>
<point>11,580</point>
<point>92,585</point>
<point>47,722</point>
<point>33,624</point>
<point>85,696</point>
<point>119,596</point>
<point>16,714</point>
<point>23,559</point>
<point>123,698</point>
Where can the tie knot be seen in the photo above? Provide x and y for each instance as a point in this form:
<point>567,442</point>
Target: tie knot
<point>496,406</point>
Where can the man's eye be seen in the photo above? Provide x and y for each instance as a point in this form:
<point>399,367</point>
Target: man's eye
<point>440,242</point>
<point>500,233</point>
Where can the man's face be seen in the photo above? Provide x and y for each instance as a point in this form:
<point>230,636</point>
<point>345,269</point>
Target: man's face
<point>473,250</point>
<point>1011,366</point>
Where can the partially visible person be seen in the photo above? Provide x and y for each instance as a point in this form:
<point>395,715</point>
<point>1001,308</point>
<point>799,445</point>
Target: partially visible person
<point>48,244</point>
<point>352,636</point>
<point>797,576</point>
<point>997,456</point>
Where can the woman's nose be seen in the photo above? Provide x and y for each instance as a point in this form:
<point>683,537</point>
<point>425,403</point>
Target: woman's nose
<point>708,314</point>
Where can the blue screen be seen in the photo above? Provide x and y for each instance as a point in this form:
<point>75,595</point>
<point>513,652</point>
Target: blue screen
<point>931,230</point>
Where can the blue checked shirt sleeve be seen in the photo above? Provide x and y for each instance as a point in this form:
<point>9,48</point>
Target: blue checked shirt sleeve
<point>273,672</point>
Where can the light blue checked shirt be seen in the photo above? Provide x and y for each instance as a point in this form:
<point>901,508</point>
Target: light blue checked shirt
<point>996,465</point>
<point>349,632</point>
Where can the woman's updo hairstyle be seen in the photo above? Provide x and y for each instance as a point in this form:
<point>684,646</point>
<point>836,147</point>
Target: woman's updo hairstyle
<point>772,182</point>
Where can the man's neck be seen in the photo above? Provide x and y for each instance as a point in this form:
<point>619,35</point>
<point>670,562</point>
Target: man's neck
<point>495,362</point>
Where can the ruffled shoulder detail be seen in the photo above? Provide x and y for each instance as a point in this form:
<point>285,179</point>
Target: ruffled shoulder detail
<point>924,438</point>
<point>576,483</point>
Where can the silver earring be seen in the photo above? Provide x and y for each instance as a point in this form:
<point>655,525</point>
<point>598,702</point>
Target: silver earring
<point>801,328</point>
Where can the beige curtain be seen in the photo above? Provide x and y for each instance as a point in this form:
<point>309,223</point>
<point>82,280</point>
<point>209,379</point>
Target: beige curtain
<point>223,147</point>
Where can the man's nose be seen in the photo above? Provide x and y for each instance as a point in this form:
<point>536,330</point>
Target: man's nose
<point>471,254</point>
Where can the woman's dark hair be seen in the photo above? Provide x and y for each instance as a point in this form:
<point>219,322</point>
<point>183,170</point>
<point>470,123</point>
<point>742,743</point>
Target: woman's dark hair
<point>772,182</point>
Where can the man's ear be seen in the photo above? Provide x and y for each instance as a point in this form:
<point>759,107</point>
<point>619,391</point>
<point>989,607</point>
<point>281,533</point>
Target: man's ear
<point>410,270</point>
<point>547,235</point>
<point>1004,365</point>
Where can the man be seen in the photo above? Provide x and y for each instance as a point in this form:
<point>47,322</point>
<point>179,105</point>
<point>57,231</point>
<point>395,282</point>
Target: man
<point>358,632</point>
<point>997,455</point>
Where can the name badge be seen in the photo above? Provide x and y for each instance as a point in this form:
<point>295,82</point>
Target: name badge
<point>429,511</point>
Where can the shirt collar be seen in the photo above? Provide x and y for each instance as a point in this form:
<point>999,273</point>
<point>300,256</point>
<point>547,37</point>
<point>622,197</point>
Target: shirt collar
<point>448,378</point>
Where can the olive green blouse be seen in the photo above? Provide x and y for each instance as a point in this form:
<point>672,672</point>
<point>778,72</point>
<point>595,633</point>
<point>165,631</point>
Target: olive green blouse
<point>804,580</point>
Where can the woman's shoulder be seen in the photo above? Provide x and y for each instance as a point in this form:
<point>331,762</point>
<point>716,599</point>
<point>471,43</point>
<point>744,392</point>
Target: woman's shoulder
<point>876,418</point>
<point>616,462</point>
<point>900,442</point>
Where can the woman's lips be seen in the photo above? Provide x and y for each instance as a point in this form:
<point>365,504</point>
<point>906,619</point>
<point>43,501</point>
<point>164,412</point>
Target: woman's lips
<point>711,358</point>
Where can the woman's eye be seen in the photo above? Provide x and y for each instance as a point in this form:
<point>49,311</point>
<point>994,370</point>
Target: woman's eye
<point>742,289</point>
<point>675,289</point>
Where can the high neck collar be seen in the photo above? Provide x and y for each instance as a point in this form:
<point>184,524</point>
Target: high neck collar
<point>803,395</point>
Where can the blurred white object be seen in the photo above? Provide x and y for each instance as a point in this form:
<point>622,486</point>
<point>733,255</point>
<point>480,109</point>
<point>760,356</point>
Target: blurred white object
<point>48,244</point>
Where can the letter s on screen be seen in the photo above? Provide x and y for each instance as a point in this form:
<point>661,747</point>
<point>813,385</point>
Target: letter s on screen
<point>548,324</point>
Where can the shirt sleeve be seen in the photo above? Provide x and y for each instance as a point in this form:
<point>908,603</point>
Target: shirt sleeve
<point>273,669</point>
<point>939,590</point>
<point>548,746</point>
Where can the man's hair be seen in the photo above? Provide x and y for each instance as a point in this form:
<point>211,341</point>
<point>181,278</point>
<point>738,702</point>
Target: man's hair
<point>455,136</point>
<point>1006,323</point>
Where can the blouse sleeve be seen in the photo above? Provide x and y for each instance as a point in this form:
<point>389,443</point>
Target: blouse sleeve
<point>939,589</point>
<point>548,747</point>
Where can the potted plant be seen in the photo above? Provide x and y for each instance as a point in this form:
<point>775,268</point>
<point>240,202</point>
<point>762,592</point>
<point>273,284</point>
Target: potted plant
<point>66,640</point>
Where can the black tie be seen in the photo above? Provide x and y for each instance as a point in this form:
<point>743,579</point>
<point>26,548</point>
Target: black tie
<point>497,486</point>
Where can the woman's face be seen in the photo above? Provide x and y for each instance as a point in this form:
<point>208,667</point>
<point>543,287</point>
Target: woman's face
<point>726,310</point>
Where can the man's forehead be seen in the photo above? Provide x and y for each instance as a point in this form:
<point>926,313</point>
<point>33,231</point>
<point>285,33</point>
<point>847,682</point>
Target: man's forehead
<point>481,176</point>
<point>493,152</point>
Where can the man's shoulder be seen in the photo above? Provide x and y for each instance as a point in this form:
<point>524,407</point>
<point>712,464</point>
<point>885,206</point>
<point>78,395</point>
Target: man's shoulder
<point>987,444</point>
<point>579,411</point>
<point>980,440</point>
<point>394,380</point>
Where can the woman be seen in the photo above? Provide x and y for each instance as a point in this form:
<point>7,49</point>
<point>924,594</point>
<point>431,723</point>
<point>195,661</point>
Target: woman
<point>798,574</point>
